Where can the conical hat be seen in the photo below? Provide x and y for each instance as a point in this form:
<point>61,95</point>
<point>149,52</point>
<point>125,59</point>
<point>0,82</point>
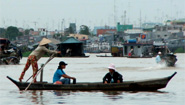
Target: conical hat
<point>44,41</point>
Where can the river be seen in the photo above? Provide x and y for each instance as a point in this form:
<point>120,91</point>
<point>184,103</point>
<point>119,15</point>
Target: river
<point>92,69</point>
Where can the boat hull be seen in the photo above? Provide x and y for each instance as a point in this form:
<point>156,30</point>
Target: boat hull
<point>146,85</point>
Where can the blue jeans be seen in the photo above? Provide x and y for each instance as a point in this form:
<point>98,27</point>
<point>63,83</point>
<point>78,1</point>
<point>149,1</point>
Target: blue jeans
<point>65,81</point>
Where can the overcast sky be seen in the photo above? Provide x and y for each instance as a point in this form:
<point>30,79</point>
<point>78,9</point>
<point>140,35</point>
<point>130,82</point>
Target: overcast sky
<point>57,14</point>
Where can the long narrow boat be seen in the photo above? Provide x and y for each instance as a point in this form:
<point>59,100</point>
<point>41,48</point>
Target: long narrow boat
<point>139,57</point>
<point>145,85</point>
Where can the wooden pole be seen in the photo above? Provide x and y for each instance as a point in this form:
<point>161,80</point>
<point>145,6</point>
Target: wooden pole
<point>41,74</point>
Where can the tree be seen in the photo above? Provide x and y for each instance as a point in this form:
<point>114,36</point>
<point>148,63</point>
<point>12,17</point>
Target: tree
<point>84,30</point>
<point>2,32</point>
<point>31,29</point>
<point>179,50</point>
<point>27,31</point>
<point>20,34</point>
<point>57,35</point>
<point>12,33</point>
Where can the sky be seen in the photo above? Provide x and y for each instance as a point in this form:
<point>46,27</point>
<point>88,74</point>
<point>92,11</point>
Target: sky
<point>57,14</point>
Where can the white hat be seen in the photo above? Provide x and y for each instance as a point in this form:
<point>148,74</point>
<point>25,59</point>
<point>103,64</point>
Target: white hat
<point>44,41</point>
<point>159,52</point>
<point>112,66</point>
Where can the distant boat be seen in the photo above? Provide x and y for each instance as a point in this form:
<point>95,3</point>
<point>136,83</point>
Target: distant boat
<point>139,57</point>
<point>144,85</point>
<point>103,56</point>
<point>170,59</point>
<point>76,56</point>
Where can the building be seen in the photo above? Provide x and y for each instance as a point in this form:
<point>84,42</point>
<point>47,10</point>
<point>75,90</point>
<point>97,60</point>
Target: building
<point>80,37</point>
<point>72,26</point>
<point>106,31</point>
<point>122,28</point>
<point>148,27</point>
<point>167,32</point>
<point>42,31</point>
<point>95,32</point>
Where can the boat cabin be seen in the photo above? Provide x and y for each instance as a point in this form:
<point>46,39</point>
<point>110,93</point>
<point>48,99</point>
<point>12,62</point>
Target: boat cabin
<point>137,49</point>
<point>71,48</point>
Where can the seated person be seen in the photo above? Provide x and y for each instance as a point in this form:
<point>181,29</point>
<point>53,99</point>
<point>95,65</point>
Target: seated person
<point>60,73</point>
<point>112,76</point>
<point>68,52</point>
<point>4,52</point>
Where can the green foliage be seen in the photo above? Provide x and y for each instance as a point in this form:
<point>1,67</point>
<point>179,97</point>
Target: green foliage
<point>180,50</point>
<point>84,30</point>
<point>27,31</point>
<point>63,38</point>
<point>20,34</point>
<point>57,36</point>
<point>2,32</point>
<point>26,54</point>
<point>12,32</point>
<point>31,29</point>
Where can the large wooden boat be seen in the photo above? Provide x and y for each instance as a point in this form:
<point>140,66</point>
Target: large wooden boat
<point>144,85</point>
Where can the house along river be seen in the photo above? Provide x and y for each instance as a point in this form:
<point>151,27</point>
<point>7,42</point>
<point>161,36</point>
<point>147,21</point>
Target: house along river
<point>92,69</point>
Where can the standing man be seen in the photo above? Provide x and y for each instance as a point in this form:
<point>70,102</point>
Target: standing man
<point>60,73</point>
<point>112,76</point>
<point>131,53</point>
<point>35,56</point>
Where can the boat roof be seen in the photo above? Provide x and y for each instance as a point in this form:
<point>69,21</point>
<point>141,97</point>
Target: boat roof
<point>4,41</point>
<point>71,40</point>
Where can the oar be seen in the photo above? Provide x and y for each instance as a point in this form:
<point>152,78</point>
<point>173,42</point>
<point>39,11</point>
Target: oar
<point>51,57</point>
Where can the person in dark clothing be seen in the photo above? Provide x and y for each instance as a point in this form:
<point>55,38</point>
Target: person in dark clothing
<point>112,76</point>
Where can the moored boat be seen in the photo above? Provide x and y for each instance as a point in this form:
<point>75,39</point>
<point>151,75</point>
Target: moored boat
<point>139,57</point>
<point>144,85</point>
<point>76,56</point>
<point>103,56</point>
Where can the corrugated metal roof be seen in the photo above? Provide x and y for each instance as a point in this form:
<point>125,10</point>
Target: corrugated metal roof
<point>71,40</point>
<point>54,41</point>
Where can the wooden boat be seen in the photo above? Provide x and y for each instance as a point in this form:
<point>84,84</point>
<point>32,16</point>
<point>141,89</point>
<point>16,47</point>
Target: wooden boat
<point>145,85</point>
<point>103,56</point>
<point>76,56</point>
<point>139,57</point>
<point>170,59</point>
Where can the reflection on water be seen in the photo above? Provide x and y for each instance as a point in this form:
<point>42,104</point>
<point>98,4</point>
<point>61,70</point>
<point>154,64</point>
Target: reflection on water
<point>35,97</point>
<point>61,93</point>
<point>70,97</point>
<point>113,95</point>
